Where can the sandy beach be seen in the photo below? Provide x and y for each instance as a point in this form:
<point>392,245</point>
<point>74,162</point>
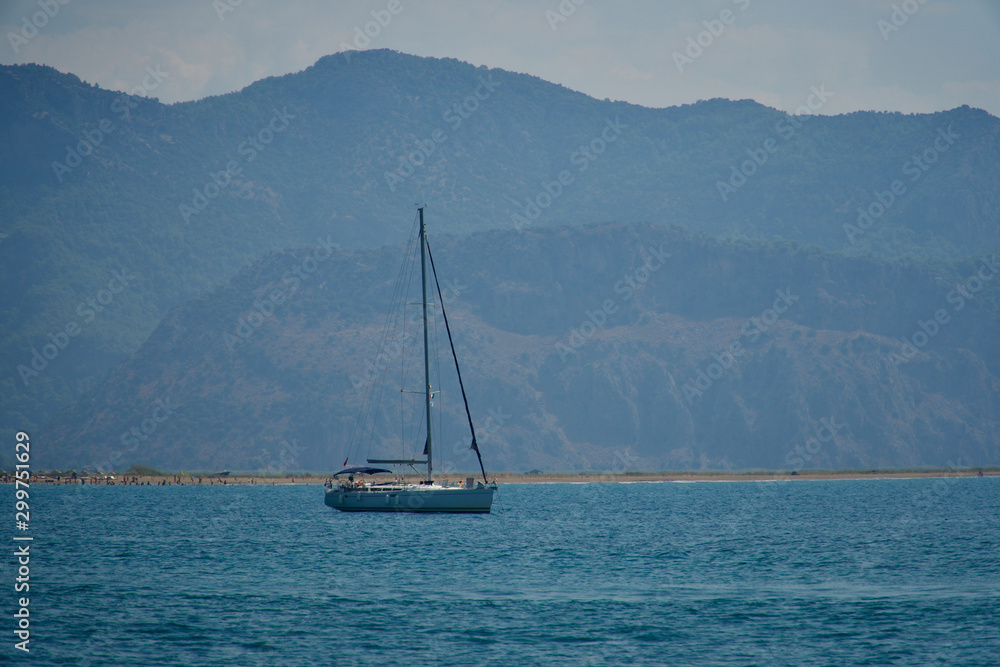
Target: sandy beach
<point>722,476</point>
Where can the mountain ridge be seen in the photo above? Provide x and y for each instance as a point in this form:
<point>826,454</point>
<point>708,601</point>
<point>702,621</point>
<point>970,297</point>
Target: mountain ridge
<point>349,123</point>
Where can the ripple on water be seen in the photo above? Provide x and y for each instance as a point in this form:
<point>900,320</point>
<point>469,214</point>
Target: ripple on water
<point>643,574</point>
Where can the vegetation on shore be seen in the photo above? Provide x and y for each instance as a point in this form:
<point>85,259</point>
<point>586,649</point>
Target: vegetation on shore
<point>246,478</point>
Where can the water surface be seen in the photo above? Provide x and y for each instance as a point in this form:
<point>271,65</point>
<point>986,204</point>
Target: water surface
<point>900,572</point>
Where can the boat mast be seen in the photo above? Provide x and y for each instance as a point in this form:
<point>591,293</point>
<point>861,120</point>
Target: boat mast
<point>427,361</point>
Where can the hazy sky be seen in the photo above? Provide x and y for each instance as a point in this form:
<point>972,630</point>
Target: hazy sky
<point>902,55</point>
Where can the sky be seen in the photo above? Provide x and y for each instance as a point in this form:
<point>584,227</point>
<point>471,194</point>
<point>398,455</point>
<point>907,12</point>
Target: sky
<point>896,55</point>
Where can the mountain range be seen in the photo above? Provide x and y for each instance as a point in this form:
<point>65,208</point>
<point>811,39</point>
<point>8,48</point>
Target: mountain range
<point>137,234</point>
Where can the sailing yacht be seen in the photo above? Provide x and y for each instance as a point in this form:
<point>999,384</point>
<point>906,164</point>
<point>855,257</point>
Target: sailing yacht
<point>425,495</point>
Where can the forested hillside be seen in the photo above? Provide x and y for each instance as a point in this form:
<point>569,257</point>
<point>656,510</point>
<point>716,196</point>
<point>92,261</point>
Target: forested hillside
<point>118,209</point>
<point>592,348</point>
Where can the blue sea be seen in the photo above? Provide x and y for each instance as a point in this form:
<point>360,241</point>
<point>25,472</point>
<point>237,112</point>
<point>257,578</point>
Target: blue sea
<point>851,572</point>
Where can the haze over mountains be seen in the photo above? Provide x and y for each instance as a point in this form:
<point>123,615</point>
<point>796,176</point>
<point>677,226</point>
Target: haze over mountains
<point>137,234</point>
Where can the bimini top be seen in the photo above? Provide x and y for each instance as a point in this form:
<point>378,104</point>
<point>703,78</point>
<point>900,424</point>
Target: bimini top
<point>361,470</point>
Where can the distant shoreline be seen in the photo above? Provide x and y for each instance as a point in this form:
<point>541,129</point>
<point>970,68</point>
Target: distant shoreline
<point>242,479</point>
<point>760,476</point>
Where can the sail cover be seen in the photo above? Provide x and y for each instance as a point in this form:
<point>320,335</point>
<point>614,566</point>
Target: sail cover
<point>360,470</point>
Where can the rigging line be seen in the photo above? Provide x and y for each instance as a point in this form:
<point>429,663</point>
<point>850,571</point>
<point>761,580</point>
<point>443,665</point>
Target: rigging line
<point>361,424</point>
<point>440,387</point>
<point>401,427</point>
<point>403,359</point>
<point>416,426</point>
<point>398,301</point>
<point>458,371</point>
<point>374,397</point>
<point>403,335</point>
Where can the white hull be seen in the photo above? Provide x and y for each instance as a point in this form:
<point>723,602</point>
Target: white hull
<point>411,499</point>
